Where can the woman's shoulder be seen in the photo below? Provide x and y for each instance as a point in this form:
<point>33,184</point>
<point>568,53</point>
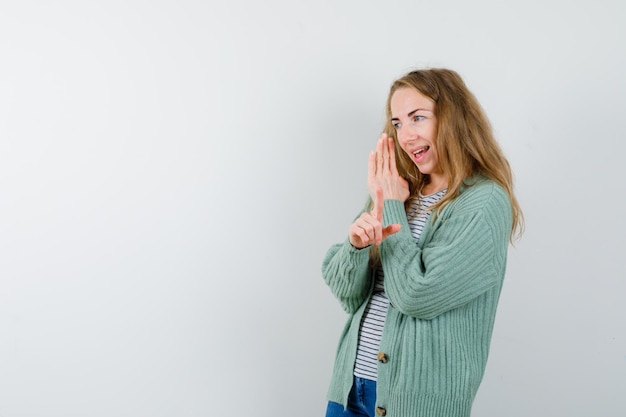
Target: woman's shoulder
<point>479,193</point>
<point>479,185</point>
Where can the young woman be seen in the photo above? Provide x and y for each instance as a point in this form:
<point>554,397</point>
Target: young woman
<point>422,268</point>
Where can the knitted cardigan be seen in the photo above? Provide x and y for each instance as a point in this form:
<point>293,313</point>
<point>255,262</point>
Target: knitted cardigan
<point>443,293</point>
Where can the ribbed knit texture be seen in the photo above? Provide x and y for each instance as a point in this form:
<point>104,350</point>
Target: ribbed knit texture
<point>372,323</point>
<point>443,294</point>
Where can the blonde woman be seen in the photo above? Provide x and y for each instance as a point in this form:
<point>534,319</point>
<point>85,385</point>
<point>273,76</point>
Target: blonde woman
<point>421,271</point>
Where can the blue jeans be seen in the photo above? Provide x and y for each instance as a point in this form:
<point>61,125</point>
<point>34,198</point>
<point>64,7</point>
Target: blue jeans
<point>361,401</point>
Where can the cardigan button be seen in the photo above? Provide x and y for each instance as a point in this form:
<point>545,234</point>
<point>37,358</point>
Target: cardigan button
<point>382,357</point>
<point>381,411</point>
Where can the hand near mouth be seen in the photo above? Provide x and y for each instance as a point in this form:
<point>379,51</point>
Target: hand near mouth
<point>382,172</point>
<point>368,228</point>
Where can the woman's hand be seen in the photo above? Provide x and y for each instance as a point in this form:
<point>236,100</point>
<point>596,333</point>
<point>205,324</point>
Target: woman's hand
<point>368,228</point>
<point>382,172</point>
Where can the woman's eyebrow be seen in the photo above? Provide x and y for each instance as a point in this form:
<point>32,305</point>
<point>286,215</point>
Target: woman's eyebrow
<point>411,113</point>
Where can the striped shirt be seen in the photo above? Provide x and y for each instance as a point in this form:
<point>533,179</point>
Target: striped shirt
<point>366,363</point>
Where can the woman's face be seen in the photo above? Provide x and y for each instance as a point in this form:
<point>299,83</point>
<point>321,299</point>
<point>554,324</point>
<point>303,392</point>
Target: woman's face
<point>413,116</point>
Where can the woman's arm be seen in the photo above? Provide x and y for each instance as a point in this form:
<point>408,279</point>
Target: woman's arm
<point>345,270</point>
<point>465,256</point>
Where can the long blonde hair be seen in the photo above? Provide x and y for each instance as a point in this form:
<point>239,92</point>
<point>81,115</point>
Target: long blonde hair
<point>466,146</point>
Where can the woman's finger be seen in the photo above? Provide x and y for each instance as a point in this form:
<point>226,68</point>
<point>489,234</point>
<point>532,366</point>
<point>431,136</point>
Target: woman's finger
<point>371,166</point>
<point>379,202</point>
<point>392,157</point>
<point>359,236</point>
<point>380,163</point>
<point>390,230</point>
<point>385,154</point>
<point>366,230</point>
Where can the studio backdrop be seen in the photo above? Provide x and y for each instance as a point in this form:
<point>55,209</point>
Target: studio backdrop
<point>172,173</point>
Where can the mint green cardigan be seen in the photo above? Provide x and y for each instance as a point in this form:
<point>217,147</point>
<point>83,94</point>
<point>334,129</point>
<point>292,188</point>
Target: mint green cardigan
<point>443,293</point>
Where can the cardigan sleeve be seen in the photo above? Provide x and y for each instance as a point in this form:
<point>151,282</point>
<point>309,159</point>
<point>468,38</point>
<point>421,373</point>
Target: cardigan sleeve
<point>345,270</point>
<point>464,256</point>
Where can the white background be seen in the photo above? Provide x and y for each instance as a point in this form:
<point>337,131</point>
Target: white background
<point>172,173</point>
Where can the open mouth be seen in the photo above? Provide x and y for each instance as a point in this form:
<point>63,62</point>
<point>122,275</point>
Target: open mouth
<point>421,150</point>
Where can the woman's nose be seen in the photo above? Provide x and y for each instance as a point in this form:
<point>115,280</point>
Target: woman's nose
<point>405,134</point>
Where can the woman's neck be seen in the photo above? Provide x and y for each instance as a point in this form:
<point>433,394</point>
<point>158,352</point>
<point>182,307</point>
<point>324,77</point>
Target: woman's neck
<point>434,184</point>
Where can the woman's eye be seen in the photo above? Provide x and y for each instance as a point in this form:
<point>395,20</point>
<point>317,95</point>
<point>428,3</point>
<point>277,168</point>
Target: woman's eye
<point>396,125</point>
<point>418,118</point>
